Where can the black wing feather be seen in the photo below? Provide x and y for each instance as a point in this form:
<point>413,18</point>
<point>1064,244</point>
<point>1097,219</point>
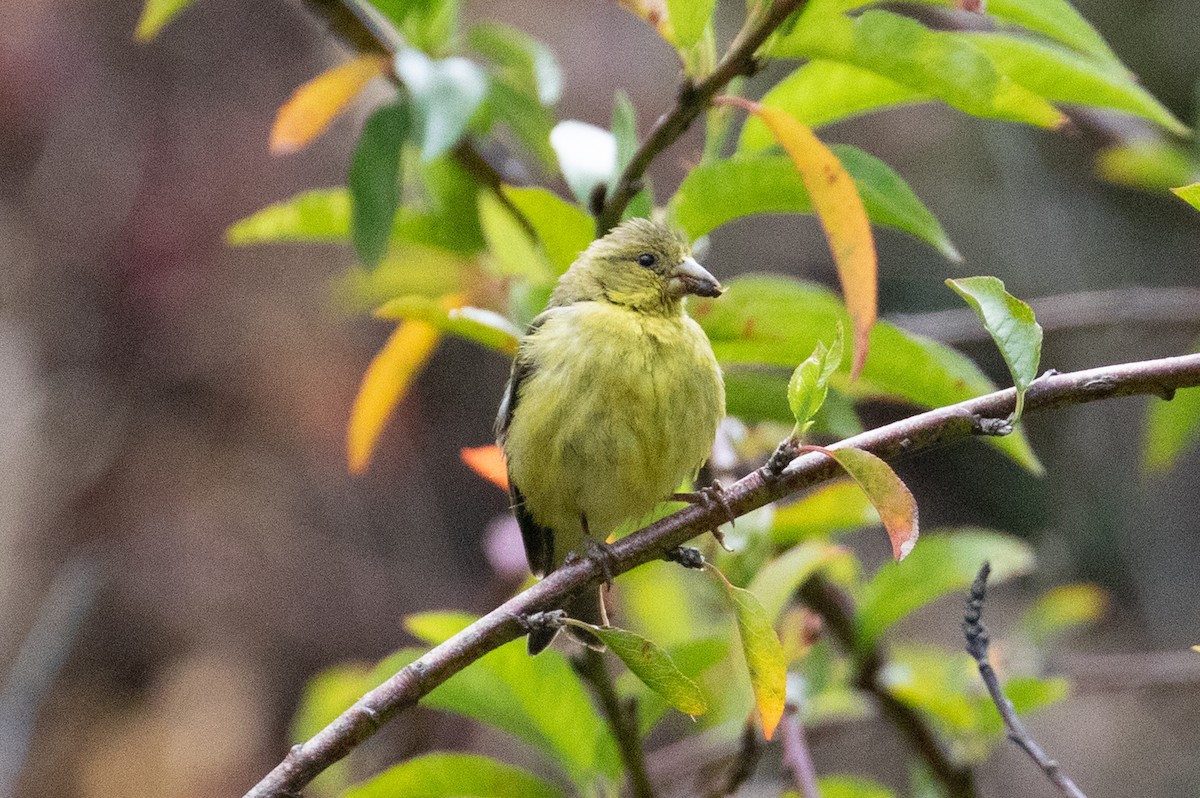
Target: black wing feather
<point>538,539</point>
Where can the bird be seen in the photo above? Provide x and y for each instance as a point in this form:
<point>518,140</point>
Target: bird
<point>613,401</point>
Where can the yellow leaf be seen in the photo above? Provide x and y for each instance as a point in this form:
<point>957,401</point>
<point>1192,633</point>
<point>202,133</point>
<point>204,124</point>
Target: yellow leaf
<point>384,385</point>
<point>488,462</point>
<point>839,207</point>
<point>156,14</point>
<point>315,104</point>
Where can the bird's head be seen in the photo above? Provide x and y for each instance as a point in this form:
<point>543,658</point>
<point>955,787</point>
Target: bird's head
<point>640,264</point>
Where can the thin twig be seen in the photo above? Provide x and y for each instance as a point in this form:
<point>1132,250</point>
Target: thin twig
<point>977,647</point>
<point>796,755</point>
<point>1079,310</point>
<point>621,719</point>
<point>837,613</point>
<point>503,624</point>
<point>692,101</point>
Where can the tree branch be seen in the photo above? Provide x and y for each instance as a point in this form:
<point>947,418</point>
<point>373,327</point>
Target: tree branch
<point>833,605</point>
<point>503,624</point>
<point>977,647</point>
<point>693,99</point>
<point>592,669</point>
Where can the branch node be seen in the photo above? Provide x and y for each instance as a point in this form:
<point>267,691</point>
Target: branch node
<point>687,556</point>
<point>1166,394</point>
<point>991,427</point>
<point>784,453</point>
<point>375,719</point>
<point>541,621</point>
<point>687,92</point>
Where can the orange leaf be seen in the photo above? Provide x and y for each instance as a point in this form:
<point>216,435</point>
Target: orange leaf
<point>891,497</point>
<point>384,385</point>
<point>314,105</point>
<point>839,207</point>
<point>488,462</point>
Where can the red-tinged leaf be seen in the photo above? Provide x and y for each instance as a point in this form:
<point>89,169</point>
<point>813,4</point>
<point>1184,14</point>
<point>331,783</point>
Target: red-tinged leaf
<point>840,209</point>
<point>384,385</point>
<point>892,499</point>
<point>314,105</point>
<point>488,462</point>
<point>765,658</point>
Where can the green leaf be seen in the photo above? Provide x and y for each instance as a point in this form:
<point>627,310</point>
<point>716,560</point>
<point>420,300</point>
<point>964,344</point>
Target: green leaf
<point>774,320</point>
<point>830,510</point>
<point>445,94</point>
<point>810,382</point>
<point>943,563</point>
<point>779,578</point>
<point>564,229</point>
<point>1012,326</point>
<point>512,250</point>
<point>529,120</point>
<point>537,699</point>
<point>1062,608</point>
<point>890,496</point>
<point>155,15</point>
<point>428,25</point>
<point>652,665</point>
<point>526,63</point>
<point>1148,164</point>
<point>1056,19</point>
<point>1062,76</point>
<point>821,92</point>
<point>764,655</point>
<point>721,191</point>
<point>624,130</point>
<point>1189,194</point>
<point>851,787</point>
<point>374,181</point>
<point>587,156</point>
<point>1173,428</point>
<point>442,775</point>
<point>693,659</point>
<point>689,18</point>
<point>319,215</point>
<point>327,695</point>
<point>941,64</point>
<point>485,327</point>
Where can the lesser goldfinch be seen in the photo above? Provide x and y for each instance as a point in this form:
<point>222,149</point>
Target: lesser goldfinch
<point>614,399</point>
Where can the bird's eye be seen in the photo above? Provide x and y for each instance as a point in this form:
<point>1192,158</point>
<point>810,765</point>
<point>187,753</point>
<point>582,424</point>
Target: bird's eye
<point>646,260</point>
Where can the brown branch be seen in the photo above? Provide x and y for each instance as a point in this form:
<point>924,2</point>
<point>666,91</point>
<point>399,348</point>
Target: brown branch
<point>404,689</point>
<point>621,719</point>
<point>796,754</point>
<point>692,101</point>
<point>837,613</point>
<point>977,647</point>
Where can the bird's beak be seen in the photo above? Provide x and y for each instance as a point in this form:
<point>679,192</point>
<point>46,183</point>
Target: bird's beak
<point>690,277</point>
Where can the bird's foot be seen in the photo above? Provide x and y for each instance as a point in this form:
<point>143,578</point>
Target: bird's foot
<point>599,553</point>
<point>686,556</point>
<point>712,496</point>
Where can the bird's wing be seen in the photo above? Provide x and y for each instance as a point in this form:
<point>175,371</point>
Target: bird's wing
<point>539,540</point>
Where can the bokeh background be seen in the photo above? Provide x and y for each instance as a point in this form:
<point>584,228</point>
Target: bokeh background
<point>181,545</point>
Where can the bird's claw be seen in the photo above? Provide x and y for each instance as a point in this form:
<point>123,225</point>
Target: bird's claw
<point>598,553</point>
<point>686,556</point>
<point>712,495</point>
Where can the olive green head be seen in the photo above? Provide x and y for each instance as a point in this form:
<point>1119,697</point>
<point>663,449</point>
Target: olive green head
<point>640,264</point>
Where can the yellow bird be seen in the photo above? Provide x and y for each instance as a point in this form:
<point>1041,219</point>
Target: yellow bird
<point>614,400</point>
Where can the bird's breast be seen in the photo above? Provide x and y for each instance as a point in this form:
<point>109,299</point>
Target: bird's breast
<point>619,410</point>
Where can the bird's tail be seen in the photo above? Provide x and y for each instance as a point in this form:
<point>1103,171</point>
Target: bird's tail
<point>587,607</point>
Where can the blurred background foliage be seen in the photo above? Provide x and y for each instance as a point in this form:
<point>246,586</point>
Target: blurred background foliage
<point>183,548</point>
